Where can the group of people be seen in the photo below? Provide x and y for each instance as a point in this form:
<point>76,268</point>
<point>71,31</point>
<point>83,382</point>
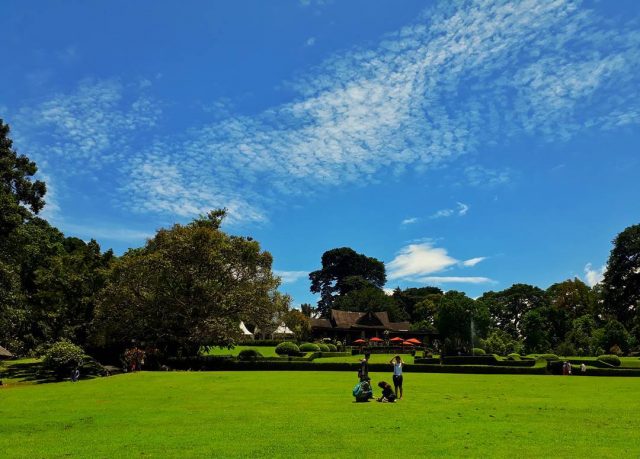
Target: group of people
<point>566,368</point>
<point>363,391</point>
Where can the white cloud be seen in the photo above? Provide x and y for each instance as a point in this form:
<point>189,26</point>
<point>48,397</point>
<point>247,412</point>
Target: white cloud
<point>461,76</point>
<point>419,259</point>
<point>409,221</point>
<point>388,291</point>
<point>484,177</point>
<point>289,277</point>
<point>460,210</point>
<point>455,280</point>
<point>593,276</point>
<point>472,261</point>
<point>310,41</point>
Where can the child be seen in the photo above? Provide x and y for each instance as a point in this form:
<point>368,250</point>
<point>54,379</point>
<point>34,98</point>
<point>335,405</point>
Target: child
<point>387,392</point>
<point>397,375</point>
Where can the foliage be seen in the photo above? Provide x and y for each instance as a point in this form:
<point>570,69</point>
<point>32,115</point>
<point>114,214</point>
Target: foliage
<point>508,307</point>
<point>287,348</point>
<point>514,356</point>
<point>134,358</point>
<point>501,343</point>
<point>478,351</point>
<point>418,304</point>
<point>344,270</point>
<point>332,347</point>
<point>566,348</point>
<point>62,357</point>
<point>323,347</point>
<point>249,354</point>
<point>298,323</point>
<point>453,320</point>
<point>309,347</point>
<point>369,298</point>
<point>621,284</point>
<point>535,331</point>
<point>610,359</point>
<point>614,334</point>
<point>188,287</point>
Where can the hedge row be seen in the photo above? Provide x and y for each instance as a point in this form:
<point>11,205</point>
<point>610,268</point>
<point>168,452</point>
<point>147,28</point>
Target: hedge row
<point>469,360</point>
<point>285,365</point>
<point>476,360</point>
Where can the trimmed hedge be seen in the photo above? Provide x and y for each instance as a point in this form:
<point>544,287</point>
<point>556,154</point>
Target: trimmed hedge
<point>478,351</point>
<point>426,361</point>
<point>332,347</point>
<point>544,356</point>
<point>513,356</point>
<point>309,347</point>
<point>610,359</point>
<point>287,348</point>
<point>469,360</point>
<point>249,354</point>
<point>260,342</point>
<point>323,347</point>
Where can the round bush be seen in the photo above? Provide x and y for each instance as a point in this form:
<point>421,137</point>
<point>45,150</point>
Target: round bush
<point>287,348</point>
<point>610,359</point>
<point>323,347</point>
<point>309,347</point>
<point>63,357</point>
<point>513,356</point>
<point>478,351</point>
<point>332,347</point>
<point>249,354</point>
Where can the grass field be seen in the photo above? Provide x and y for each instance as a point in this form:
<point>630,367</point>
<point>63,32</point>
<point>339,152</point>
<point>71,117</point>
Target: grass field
<point>312,414</point>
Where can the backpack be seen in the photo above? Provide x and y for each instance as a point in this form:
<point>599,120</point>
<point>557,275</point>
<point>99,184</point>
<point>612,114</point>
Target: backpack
<point>362,391</point>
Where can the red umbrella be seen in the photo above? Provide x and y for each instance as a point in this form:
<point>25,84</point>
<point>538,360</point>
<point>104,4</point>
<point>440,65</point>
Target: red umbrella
<point>396,339</point>
<point>376,339</point>
<point>359,341</point>
<point>407,343</point>
<point>414,341</point>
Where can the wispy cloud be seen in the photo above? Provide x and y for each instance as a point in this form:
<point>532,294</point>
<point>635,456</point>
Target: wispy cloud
<point>481,176</point>
<point>455,280</point>
<point>472,261</point>
<point>102,232</point>
<point>289,277</point>
<point>459,77</point>
<point>460,210</point>
<point>593,276</point>
<point>310,41</point>
<point>409,221</point>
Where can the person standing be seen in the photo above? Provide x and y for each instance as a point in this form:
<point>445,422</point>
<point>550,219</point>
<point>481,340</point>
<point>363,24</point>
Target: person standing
<point>363,371</point>
<point>397,375</point>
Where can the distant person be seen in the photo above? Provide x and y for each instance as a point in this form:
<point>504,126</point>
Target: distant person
<point>583,368</point>
<point>387,392</point>
<point>569,368</point>
<point>75,375</point>
<point>397,375</point>
<point>565,368</point>
<point>363,371</point>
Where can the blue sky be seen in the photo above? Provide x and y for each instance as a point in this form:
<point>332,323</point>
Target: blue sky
<point>468,145</point>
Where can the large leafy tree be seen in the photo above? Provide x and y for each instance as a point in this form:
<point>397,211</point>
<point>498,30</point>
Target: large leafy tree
<point>20,195</point>
<point>344,270</point>
<point>418,303</point>
<point>456,312</point>
<point>189,286</point>
<point>621,284</point>
<point>508,307</point>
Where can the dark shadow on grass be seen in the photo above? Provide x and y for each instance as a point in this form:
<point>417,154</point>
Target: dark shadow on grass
<point>23,372</point>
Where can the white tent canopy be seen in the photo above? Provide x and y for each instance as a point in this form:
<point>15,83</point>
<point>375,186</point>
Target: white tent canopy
<point>282,330</point>
<point>245,331</point>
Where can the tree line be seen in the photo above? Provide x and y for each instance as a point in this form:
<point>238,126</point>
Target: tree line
<point>568,318</point>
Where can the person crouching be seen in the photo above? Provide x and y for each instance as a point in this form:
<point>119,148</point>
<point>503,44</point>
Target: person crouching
<point>387,392</point>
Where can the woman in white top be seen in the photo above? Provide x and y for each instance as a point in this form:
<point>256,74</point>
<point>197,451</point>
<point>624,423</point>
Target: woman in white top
<point>397,375</point>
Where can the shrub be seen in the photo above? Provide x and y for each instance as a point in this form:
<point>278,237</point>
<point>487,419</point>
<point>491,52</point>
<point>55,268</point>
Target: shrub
<point>323,347</point>
<point>249,354</point>
<point>309,347</point>
<point>513,356</point>
<point>546,356</point>
<point>615,350</point>
<point>287,348</point>
<point>62,357</point>
<point>332,347</point>
<point>478,351</point>
<point>566,348</point>
<point>610,359</point>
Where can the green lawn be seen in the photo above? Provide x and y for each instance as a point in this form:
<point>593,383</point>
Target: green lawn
<point>375,358</point>
<point>312,414</point>
<point>266,351</point>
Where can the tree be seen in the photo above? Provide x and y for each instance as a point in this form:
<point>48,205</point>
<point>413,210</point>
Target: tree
<point>622,278</point>
<point>453,320</point>
<point>507,307</point>
<point>501,343</point>
<point>307,309</point>
<point>535,331</point>
<point>188,287</point>
<point>410,299</point>
<point>19,195</point>
<point>344,270</point>
<point>298,323</point>
<point>369,299</point>
<point>614,334</point>
<point>581,335</point>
